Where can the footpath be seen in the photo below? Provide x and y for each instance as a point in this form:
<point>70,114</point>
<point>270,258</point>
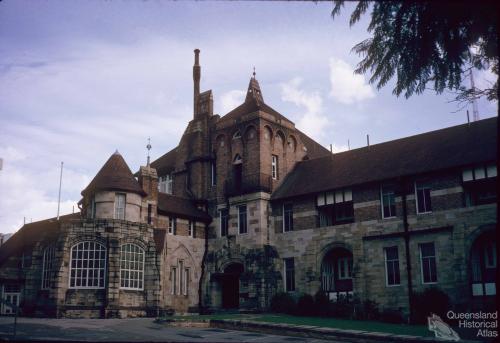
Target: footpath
<point>334,334</point>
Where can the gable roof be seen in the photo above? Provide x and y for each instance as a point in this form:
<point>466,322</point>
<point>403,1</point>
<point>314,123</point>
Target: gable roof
<point>166,163</point>
<point>314,149</point>
<point>114,175</point>
<point>30,233</point>
<point>180,207</point>
<point>436,150</point>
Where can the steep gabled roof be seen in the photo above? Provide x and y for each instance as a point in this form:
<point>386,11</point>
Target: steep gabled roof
<point>166,163</point>
<point>314,149</point>
<point>254,102</point>
<point>114,175</point>
<point>180,207</point>
<point>436,150</point>
<point>29,234</point>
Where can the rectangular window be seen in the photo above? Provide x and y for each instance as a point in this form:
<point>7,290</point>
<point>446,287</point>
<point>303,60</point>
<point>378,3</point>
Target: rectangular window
<point>165,184</point>
<point>173,279</point>
<point>344,267</point>
<point>335,208</point>
<point>213,173</point>
<point>91,212</point>
<point>150,211</point>
<point>191,228</point>
<point>287,217</point>
<point>186,281</point>
<point>274,167</point>
<point>223,221</point>
<point>181,277</point>
<point>428,263</point>
<point>48,266</point>
<point>423,195</point>
<point>120,206</point>
<point>289,268</point>
<point>242,219</point>
<point>388,201</point>
<point>480,185</point>
<point>172,225</point>
<point>392,266</point>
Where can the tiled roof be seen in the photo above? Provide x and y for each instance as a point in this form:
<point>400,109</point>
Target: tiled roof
<point>114,175</point>
<point>31,233</point>
<point>314,149</point>
<point>436,150</point>
<point>159,237</point>
<point>166,163</point>
<point>180,207</point>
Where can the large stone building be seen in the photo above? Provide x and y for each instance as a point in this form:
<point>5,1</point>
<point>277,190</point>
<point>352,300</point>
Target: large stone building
<point>247,206</point>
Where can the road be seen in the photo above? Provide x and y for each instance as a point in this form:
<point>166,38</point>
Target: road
<point>130,330</point>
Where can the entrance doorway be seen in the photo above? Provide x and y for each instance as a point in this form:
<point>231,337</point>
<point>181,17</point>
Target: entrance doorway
<point>336,274</point>
<point>231,285</point>
<point>484,265</point>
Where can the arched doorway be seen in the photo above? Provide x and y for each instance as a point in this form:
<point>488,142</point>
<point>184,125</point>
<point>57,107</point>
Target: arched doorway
<point>483,257</point>
<point>336,274</point>
<point>231,285</point>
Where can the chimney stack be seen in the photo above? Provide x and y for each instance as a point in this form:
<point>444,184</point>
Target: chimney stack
<point>196,79</point>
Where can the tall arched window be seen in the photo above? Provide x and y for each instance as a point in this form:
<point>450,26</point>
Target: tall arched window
<point>87,266</point>
<point>131,267</point>
<point>48,266</point>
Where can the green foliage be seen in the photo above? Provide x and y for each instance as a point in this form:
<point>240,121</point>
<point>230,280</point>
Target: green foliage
<point>306,305</point>
<point>432,300</point>
<point>425,42</point>
<point>283,303</point>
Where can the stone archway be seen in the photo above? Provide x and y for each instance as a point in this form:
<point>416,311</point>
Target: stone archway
<point>230,282</point>
<point>336,274</point>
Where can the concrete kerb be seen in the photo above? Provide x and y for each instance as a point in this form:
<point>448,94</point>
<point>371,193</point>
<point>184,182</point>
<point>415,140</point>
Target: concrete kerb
<point>354,336</point>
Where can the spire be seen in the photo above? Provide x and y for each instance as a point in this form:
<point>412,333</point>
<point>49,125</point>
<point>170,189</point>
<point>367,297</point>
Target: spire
<point>149,148</point>
<point>196,78</point>
<point>254,92</point>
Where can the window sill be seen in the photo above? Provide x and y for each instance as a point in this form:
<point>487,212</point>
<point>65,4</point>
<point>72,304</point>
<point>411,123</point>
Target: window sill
<point>391,286</point>
<point>428,212</point>
<point>430,283</point>
<point>392,217</point>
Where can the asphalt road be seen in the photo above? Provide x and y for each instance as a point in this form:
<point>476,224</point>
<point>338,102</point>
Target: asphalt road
<point>129,330</point>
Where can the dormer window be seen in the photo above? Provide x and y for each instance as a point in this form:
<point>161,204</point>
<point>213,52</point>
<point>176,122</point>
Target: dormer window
<point>237,135</point>
<point>479,184</point>
<point>165,185</point>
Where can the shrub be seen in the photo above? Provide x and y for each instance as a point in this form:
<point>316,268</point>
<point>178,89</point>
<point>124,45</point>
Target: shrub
<point>366,310</point>
<point>322,304</point>
<point>283,303</point>
<point>431,300</point>
<point>342,308</point>
<point>392,316</point>
<point>305,305</point>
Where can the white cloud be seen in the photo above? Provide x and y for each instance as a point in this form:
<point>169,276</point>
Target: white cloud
<point>25,195</point>
<point>313,122</point>
<point>230,100</point>
<point>347,87</point>
<point>339,148</point>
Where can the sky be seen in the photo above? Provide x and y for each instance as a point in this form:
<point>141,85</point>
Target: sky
<point>81,79</point>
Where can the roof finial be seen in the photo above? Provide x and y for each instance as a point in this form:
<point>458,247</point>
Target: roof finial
<point>254,72</point>
<point>149,148</point>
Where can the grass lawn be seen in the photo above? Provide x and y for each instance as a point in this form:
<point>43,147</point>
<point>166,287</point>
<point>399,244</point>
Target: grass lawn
<point>363,325</point>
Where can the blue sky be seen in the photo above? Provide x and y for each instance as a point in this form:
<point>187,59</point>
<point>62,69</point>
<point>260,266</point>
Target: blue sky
<point>80,79</point>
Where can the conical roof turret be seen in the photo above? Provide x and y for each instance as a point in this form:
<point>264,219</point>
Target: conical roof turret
<point>114,175</point>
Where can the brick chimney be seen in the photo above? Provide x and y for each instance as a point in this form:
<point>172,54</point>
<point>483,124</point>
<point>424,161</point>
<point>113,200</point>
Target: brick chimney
<point>148,180</point>
<point>196,79</point>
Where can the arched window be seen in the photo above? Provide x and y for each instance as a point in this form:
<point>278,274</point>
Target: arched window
<point>48,266</point>
<point>87,266</point>
<point>131,267</point>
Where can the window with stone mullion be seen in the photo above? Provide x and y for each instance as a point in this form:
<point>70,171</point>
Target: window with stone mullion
<point>131,267</point>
